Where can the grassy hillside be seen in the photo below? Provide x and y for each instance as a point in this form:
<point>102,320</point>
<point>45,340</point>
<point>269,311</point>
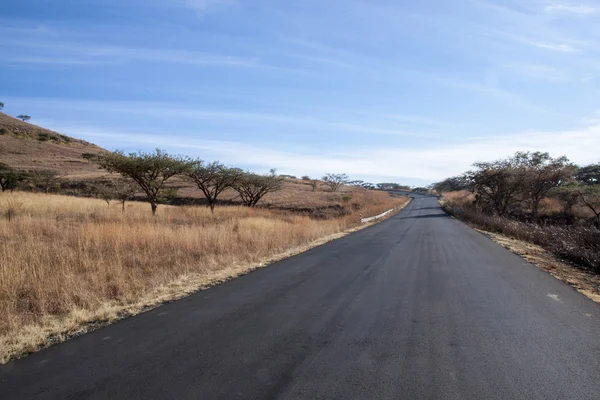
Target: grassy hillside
<point>28,147</point>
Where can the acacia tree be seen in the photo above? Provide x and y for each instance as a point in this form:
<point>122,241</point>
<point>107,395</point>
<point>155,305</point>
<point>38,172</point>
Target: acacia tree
<point>590,197</point>
<point>149,170</point>
<point>9,178</point>
<point>212,179</point>
<point>45,179</point>
<point>589,174</point>
<point>497,185</point>
<point>334,181</point>
<point>253,187</point>
<point>24,118</point>
<point>1,105</point>
<point>541,173</point>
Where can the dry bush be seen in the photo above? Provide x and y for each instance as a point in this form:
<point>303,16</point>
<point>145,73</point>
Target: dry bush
<point>578,244</point>
<point>63,256</point>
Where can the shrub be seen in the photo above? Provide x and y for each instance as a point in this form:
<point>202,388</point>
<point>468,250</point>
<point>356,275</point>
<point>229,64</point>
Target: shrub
<point>578,244</point>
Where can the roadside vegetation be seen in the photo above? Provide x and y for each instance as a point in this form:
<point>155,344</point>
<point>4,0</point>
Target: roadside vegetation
<point>533,197</point>
<point>68,263</point>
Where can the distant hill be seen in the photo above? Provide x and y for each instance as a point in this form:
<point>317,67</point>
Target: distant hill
<point>28,147</point>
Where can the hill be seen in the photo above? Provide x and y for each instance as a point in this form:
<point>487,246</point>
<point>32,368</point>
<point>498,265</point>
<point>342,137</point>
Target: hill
<point>28,147</point>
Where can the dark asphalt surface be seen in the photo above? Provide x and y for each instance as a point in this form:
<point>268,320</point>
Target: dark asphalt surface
<point>417,307</point>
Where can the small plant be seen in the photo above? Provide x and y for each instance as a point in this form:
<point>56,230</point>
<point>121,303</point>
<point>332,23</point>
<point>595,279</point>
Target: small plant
<point>346,198</point>
<point>44,137</point>
<point>3,131</point>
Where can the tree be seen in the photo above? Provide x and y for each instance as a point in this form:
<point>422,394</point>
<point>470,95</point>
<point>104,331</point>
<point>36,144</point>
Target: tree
<point>569,195</point>
<point>334,181</point>
<point>10,179</point>
<point>590,197</point>
<point>46,179</point>
<point>497,185</point>
<point>149,170</point>
<point>452,184</point>
<point>306,178</point>
<point>314,183</point>
<point>1,105</point>
<point>541,173</point>
<point>24,118</point>
<point>589,174</point>
<point>253,187</point>
<point>105,192</point>
<point>212,179</point>
<point>124,190</point>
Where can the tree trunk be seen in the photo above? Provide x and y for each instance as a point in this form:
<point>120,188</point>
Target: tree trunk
<point>211,204</point>
<point>122,206</point>
<point>154,207</point>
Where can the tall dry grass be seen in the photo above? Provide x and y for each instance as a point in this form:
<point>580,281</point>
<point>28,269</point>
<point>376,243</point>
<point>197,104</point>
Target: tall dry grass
<point>65,261</point>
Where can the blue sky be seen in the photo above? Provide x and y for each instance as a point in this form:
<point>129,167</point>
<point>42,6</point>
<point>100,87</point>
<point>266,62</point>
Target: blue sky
<point>407,91</point>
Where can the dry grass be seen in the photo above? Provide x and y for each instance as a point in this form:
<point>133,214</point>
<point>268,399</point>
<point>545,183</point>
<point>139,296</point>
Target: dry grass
<point>66,262</point>
<point>21,148</point>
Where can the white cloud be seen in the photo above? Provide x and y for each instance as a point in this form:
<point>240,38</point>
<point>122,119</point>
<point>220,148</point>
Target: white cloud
<point>201,6</point>
<point>417,164</point>
<point>537,71</point>
<point>565,48</point>
<point>580,9</point>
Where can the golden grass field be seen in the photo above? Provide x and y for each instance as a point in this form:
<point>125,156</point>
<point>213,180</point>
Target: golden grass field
<point>66,262</point>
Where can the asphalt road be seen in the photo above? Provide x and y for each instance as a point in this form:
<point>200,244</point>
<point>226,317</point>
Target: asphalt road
<point>417,307</point>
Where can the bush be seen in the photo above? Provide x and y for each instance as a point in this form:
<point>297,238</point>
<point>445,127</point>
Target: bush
<point>578,244</point>
<point>3,131</point>
<point>43,137</point>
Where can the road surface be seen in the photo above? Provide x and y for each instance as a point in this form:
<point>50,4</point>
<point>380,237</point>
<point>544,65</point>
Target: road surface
<point>417,307</point>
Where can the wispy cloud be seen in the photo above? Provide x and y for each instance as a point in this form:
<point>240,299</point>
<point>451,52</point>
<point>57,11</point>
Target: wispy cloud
<point>564,48</point>
<point>578,9</point>
<point>421,164</point>
<point>540,72</point>
<point>202,6</point>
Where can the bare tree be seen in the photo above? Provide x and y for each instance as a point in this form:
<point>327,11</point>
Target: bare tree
<point>253,187</point>
<point>24,118</point>
<point>334,181</point>
<point>213,178</point>
<point>149,170</point>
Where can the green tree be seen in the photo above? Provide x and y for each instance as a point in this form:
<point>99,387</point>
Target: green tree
<point>541,173</point>
<point>46,180</point>
<point>1,105</point>
<point>150,171</point>
<point>213,178</point>
<point>10,179</point>
<point>589,174</point>
<point>253,187</point>
<point>24,118</point>
<point>497,185</point>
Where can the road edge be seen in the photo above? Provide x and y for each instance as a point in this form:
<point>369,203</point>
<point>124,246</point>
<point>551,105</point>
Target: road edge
<point>73,325</point>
